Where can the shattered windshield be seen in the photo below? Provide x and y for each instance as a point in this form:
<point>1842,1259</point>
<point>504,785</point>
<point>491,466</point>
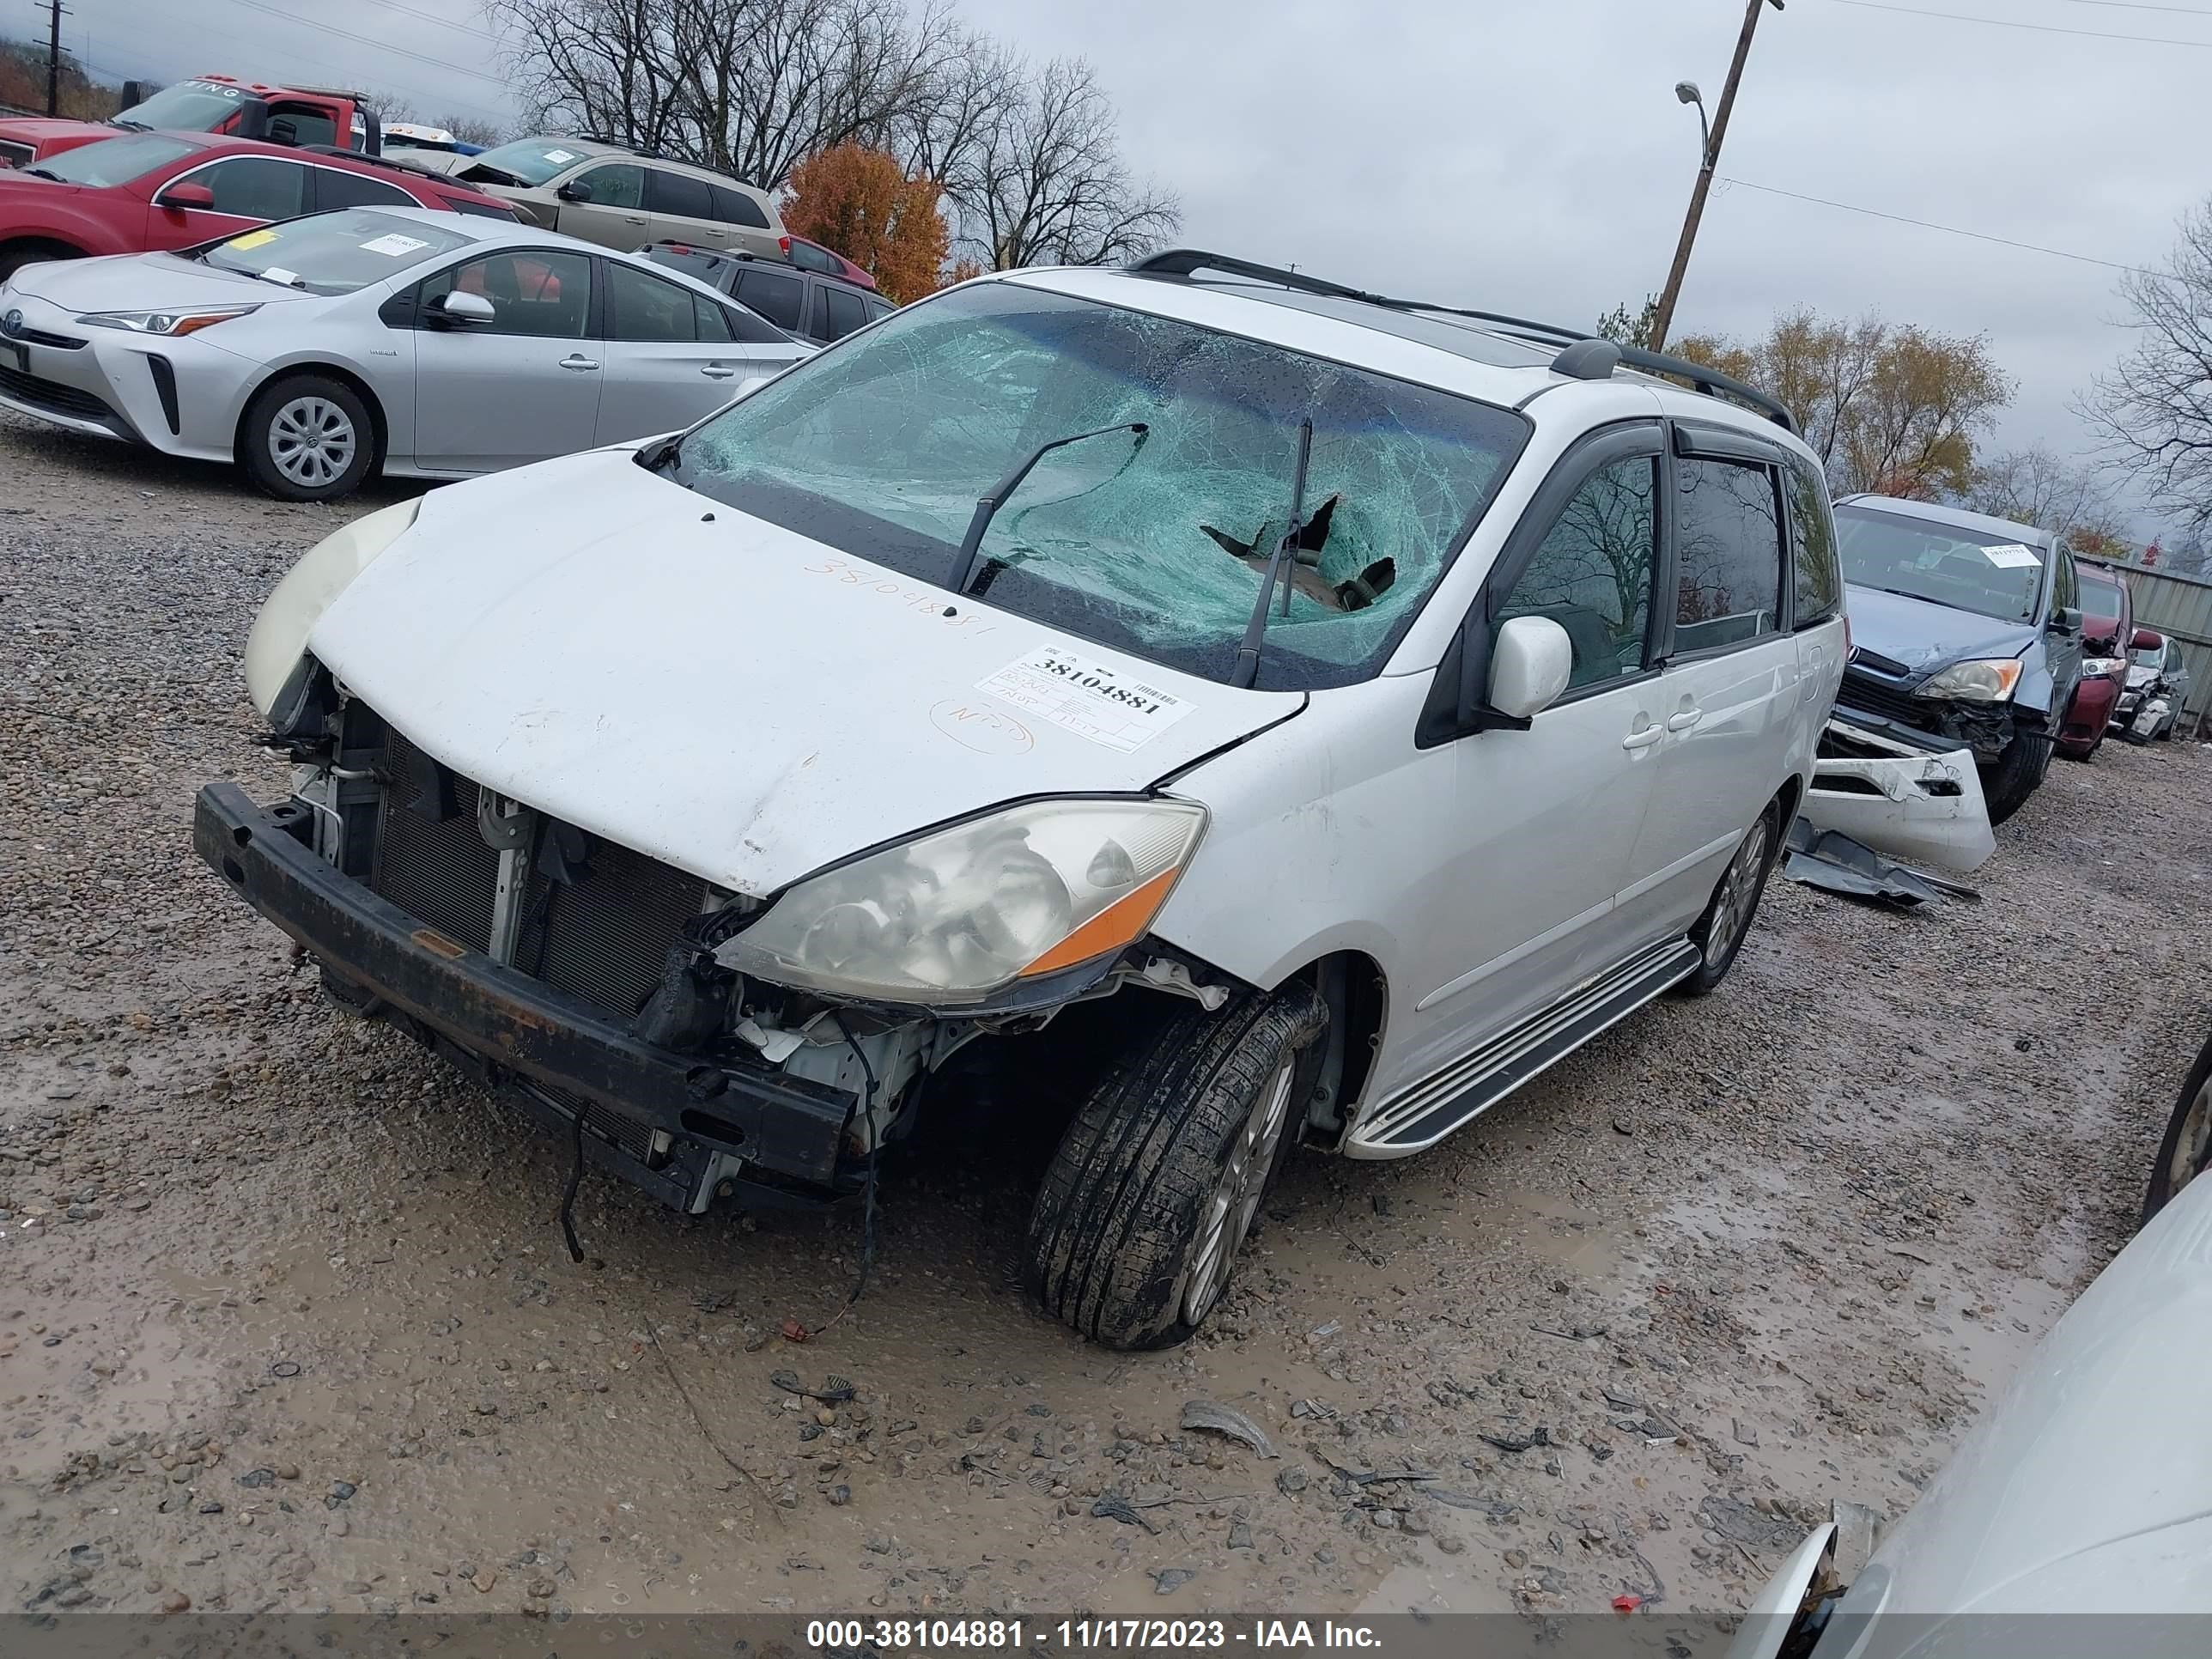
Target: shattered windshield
<point>1946,564</point>
<point>880,448</point>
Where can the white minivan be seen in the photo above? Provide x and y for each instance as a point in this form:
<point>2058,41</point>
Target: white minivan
<point>1292,715</point>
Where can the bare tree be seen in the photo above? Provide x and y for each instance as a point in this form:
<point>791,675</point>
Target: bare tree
<point>1050,186</point>
<point>976,86</point>
<point>470,130</point>
<point>2154,410</point>
<point>752,87</point>
<point>2034,486</point>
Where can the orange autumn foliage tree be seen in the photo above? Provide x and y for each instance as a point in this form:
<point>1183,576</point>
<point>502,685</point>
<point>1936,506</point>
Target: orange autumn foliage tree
<point>859,201</point>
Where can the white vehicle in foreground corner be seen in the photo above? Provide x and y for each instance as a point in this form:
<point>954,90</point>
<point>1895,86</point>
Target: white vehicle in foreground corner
<point>1286,747</point>
<point>2076,1517</point>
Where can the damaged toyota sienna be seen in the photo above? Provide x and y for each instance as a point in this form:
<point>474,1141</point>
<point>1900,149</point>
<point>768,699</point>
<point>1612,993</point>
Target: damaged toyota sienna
<point>1294,716</point>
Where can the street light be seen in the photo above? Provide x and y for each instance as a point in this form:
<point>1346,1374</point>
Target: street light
<point>1709,155</point>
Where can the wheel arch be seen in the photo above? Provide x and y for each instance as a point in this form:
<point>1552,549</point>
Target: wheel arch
<point>1356,991</point>
<point>353,380</point>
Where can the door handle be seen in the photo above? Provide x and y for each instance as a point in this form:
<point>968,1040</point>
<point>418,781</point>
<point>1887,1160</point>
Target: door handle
<point>576,360</point>
<point>1643,736</point>
<point>718,371</point>
<point>1683,719</point>
<point>632,218</point>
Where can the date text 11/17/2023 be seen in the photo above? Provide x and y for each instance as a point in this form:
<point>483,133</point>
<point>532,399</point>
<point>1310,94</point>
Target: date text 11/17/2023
<point>1016,1636</point>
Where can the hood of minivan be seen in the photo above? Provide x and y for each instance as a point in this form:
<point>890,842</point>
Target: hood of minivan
<point>719,692</point>
<point>1924,636</point>
<point>146,282</point>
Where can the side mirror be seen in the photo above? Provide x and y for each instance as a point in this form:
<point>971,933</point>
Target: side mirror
<point>252,120</point>
<point>1529,665</point>
<point>2067,619</point>
<point>2149,638</point>
<point>457,307</point>
<point>186,196</point>
<point>576,189</point>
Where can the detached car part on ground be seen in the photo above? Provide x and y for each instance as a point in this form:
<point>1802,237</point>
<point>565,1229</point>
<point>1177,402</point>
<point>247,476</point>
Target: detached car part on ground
<point>2086,1488</point>
<point>1239,702</point>
<point>322,351</point>
<point>1967,632</point>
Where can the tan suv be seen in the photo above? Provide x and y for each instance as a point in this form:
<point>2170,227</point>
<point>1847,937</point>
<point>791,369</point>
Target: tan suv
<point>623,200</point>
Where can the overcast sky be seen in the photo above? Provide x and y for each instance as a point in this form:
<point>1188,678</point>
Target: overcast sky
<point>1529,156</point>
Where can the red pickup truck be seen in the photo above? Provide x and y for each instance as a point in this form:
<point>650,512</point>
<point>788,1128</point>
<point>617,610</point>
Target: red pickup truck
<point>211,103</point>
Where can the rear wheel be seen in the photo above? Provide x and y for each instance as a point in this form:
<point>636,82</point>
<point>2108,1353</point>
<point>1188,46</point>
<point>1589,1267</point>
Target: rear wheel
<point>1719,932</point>
<point>2186,1152</point>
<point>1157,1182</point>
<point>2008,780</point>
<point>307,438</point>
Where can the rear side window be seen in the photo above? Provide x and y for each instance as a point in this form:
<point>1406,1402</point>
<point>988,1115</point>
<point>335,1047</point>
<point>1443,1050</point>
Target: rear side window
<point>1728,545</point>
<point>734,207</point>
<point>877,308</point>
<point>1819,579</point>
<point>1592,573</point>
<point>810,258</point>
<point>712,321</point>
<point>647,308</point>
<point>334,189</point>
<point>774,294</point>
<point>842,312</point>
<point>678,195</point>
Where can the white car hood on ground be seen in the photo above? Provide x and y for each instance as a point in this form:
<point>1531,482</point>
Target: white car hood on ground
<point>145,282</point>
<point>729,696</point>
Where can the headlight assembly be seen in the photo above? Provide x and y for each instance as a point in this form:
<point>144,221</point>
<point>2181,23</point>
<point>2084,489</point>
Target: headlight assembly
<point>2103,667</point>
<point>956,915</point>
<point>1989,679</point>
<point>168,323</point>
<point>279,636</point>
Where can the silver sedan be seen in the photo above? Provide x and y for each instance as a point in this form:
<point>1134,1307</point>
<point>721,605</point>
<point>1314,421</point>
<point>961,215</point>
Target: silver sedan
<point>317,352</point>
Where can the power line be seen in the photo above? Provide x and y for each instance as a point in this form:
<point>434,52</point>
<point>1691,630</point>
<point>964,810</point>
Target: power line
<point>442,22</point>
<point>1953,230</point>
<point>2007,23</point>
<point>370,41</point>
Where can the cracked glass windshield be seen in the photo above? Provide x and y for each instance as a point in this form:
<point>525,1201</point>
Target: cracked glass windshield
<point>881,447</point>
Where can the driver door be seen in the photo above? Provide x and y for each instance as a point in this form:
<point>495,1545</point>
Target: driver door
<point>1544,821</point>
<point>521,388</point>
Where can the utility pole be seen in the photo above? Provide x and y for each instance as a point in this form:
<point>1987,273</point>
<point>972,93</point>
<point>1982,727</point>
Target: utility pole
<point>1673,291</point>
<point>55,12</point>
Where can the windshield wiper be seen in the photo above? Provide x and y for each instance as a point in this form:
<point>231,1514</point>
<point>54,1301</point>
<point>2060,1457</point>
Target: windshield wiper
<point>1247,670</point>
<point>655,456</point>
<point>40,173</point>
<point>129,125</point>
<point>966,561</point>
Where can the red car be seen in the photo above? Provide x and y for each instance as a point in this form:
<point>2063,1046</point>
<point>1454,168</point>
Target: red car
<point>143,191</point>
<point>812,256</point>
<point>2108,620</point>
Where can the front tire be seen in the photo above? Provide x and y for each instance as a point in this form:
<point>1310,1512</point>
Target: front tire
<point>307,438</point>
<point>1156,1182</point>
<point>2186,1152</point>
<point>2008,780</point>
<point>1720,932</point>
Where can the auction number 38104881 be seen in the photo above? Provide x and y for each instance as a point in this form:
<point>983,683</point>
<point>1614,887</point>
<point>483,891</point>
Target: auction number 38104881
<point>1007,1635</point>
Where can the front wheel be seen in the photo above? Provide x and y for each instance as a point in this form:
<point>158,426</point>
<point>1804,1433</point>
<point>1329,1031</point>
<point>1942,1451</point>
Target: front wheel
<point>2186,1151</point>
<point>2008,780</point>
<point>1156,1184</point>
<point>307,438</point>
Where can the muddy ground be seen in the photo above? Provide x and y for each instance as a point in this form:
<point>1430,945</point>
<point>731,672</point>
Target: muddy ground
<point>285,1321</point>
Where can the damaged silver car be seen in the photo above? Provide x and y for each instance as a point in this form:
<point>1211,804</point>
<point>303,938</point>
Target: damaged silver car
<point>1292,715</point>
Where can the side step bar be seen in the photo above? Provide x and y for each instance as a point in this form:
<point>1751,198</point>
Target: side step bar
<point>1430,1110</point>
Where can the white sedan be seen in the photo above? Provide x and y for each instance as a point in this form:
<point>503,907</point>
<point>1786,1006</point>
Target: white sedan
<point>318,352</point>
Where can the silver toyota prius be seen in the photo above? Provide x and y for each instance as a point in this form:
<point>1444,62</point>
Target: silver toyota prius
<point>317,352</point>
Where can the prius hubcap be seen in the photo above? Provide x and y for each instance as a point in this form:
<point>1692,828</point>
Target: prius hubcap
<point>1739,892</point>
<point>312,441</point>
<point>1236,1196</point>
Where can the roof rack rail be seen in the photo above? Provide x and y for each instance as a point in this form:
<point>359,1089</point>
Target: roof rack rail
<point>1186,262</point>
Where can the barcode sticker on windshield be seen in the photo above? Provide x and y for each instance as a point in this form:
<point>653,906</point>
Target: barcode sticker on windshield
<point>1086,697</point>
<point>2011,555</point>
<point>395,245</point>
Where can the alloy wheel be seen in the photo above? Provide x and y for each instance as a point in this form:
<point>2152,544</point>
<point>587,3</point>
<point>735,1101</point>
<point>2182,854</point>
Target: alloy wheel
<point>312,441</point>
<point>1739,892</point>
<point>1236,1196</point>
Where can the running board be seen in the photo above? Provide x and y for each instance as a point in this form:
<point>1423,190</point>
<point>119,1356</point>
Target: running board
<point>1462,1091</point>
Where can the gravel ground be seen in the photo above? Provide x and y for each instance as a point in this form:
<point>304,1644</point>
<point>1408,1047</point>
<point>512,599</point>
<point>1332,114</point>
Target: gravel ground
<point>285,1321</point>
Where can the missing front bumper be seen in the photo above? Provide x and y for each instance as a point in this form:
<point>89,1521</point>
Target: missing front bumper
<point>559,1052</point>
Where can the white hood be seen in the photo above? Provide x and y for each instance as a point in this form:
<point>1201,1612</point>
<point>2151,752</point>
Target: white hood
<point>731,697</point>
